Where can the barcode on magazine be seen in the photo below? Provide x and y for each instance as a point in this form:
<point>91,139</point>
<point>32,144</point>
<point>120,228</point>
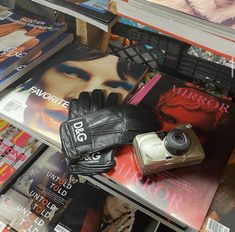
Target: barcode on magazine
<point>2,226</point>
<point>214,226</point>
<point>5,14</point>
<point>12,106</point>
<point>60,228</point>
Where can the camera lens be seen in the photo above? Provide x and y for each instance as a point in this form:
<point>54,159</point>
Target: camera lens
<point>177,142</point>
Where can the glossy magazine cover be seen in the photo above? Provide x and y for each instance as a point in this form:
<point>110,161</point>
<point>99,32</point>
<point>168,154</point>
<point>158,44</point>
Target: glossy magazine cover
<point>17,149</point>
<point>222,210</point>
<point>32,33</point>
<point>41,98</point>
<point>45,198</point>
<point>39,57</point>
<point>183,194</point>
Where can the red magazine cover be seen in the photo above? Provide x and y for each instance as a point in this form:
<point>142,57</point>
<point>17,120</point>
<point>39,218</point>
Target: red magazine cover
<point>184,194</point>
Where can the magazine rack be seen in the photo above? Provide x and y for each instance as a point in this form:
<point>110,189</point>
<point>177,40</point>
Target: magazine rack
<point>169,55</point>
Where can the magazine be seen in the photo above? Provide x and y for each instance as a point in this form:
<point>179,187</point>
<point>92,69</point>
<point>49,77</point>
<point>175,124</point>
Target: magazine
<point>46,198</point>
<point>175,192</point>
<point>220,12</point>
<point>32,34</point>
<point>121,193</point>
<point>57,44</point>
<point>99,6</point>
<point>221,214</point>
<point>40,99</point>
<point>17,150</point>
<point>214,32</point>
<point>102,20</point>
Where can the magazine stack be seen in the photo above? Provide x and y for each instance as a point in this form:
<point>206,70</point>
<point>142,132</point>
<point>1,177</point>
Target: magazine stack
<point>210,27</point>
<point>37,39</point>
<point>44,69</point>
<point>94,13</point>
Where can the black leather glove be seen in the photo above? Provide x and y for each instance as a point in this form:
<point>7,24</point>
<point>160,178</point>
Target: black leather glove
<point>105,129</point>
<point>87,103</point>
<point>91,164</point>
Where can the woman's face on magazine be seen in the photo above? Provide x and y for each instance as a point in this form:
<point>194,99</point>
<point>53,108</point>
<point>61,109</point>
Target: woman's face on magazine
<point>67,80</point>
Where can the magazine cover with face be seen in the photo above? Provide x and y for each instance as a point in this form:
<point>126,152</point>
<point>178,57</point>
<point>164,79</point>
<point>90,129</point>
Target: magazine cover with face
<point>17,149</point>
<point>182,194</point>
<point>39,101</point>
<point>45,198</point>
<point>32,34</point>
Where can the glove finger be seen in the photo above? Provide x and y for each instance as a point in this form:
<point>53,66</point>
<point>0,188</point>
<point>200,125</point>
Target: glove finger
<point>97,100</point>
<point>113,100</point>
<point>84,103</point>
<point>73,109</point>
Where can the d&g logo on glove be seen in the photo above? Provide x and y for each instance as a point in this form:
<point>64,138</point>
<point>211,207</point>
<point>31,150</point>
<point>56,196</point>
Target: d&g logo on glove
<point>79,132</point>
<point>78,126</point>
<point>93,157</point>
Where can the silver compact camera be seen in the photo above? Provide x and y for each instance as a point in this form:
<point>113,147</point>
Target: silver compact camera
<point>158,151</point>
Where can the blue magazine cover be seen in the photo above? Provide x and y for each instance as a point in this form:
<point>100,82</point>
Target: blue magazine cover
<point>100,6</point>
<point>32,34</point>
